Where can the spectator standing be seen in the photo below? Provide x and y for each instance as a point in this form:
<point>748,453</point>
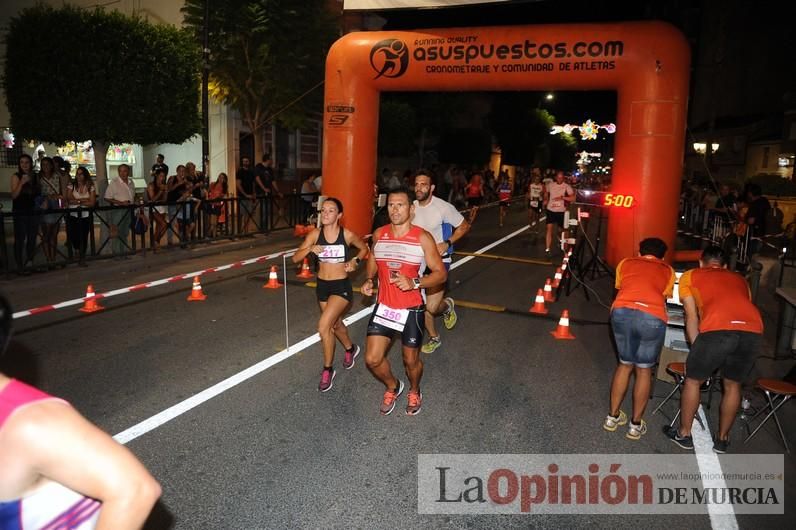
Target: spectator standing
<point>457,195</point>
<point>726,331</point>
<point>266,190</point>
<point>394,181</point>
<point>264,171</point>
<point>173,193</point>
<point>308,196</point>
<point>198,191</point>
<point>159,165</point>
<point>51,199</point>
<point>186,207</point>
<point>24,190</point>
<point>157,192</point>
<point>218,208</point>
<point>247,198</point>
<point>756,217</point>
<point>64,170</point>
<point>120,193</point>
<point>638,321</point>
<point>81,196</point>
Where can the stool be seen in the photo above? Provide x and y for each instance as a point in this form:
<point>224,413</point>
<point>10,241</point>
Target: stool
<point>677,371</point>
<point>781,390</point>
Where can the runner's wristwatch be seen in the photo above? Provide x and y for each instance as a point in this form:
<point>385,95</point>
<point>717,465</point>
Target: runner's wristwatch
<point>416,283</point>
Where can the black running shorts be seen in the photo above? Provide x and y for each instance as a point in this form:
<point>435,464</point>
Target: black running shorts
<point>732,352</point>
<point>412,335</point>
<point>555,218</point>
<point>327,288</point>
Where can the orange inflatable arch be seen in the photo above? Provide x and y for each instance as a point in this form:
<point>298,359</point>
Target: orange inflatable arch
<point>646,63</point>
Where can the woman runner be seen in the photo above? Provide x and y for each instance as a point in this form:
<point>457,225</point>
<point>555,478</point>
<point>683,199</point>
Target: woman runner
<point>332,243</point>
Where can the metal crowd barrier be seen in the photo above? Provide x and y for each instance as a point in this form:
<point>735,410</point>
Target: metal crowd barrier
<point>241,217</point>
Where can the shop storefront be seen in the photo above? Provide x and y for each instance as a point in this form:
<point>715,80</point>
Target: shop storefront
<point>82,154</point>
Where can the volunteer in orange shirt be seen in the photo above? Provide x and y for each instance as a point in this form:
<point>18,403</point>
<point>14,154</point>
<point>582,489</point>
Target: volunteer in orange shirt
<point>726,331</point>
<point>638,320</point>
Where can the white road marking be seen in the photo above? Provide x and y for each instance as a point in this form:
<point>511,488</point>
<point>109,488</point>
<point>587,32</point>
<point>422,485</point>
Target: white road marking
<point>209,393</point>
<point>722,516</point>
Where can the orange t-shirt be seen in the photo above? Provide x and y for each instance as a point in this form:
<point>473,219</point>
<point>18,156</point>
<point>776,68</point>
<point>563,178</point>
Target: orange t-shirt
<point>644,283</point>
<point>723,300</point>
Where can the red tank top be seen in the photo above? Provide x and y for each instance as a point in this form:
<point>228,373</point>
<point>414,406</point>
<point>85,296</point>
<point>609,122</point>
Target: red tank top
<point>399,254</point>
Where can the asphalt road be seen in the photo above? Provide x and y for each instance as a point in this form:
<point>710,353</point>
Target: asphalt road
<point>272,452</point>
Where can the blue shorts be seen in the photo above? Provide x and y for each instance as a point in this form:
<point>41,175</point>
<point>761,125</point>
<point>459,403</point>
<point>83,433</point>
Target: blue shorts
<point>639,336</point>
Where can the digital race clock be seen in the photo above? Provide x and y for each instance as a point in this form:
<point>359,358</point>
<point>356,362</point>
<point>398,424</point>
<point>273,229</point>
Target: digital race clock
<point>604,199</point>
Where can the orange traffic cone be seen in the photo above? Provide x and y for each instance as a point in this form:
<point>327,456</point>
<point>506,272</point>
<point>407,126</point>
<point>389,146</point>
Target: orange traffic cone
<point>562,331</point>
<point>548,291</point>
<point>196,291</point>
<point>557,278</point>
<point>91,305</point>
<point>305,270</point>
<point>298,231</point>
<point>538,305</point>
<point>273,282</point>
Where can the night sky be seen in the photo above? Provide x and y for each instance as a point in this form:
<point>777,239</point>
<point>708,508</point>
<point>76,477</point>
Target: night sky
<point>742,52</point>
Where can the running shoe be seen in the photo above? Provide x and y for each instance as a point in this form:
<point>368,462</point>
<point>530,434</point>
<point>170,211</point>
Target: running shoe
<point>612,422</point>
<point>390,397</point>
<point>450,318</point>
<point>327,376</point>
<point>350,356</point>
<point>636,431</point>
<point>415,401</point>
<point>686,442</point>
<point>720,446</point>
<point>431,346</point>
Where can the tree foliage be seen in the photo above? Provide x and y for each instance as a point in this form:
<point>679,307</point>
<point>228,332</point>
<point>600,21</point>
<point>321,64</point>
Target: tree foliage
<point>562,151</point>
<point>519,127</point>
<point>75,74</point>
<point>264,54</point>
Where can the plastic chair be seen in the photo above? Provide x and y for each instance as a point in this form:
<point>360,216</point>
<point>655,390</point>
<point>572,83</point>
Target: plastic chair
<point>774,389</point>
<point>677,371</point>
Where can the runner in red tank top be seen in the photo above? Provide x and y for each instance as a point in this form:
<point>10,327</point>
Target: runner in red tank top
<point>400,254</point>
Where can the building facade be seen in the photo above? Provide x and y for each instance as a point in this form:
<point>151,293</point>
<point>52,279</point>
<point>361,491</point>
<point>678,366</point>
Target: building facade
<point>295,152</point>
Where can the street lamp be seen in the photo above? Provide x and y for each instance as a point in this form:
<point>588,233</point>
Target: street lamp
<point>701,147</point>
<point>549,96</point>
